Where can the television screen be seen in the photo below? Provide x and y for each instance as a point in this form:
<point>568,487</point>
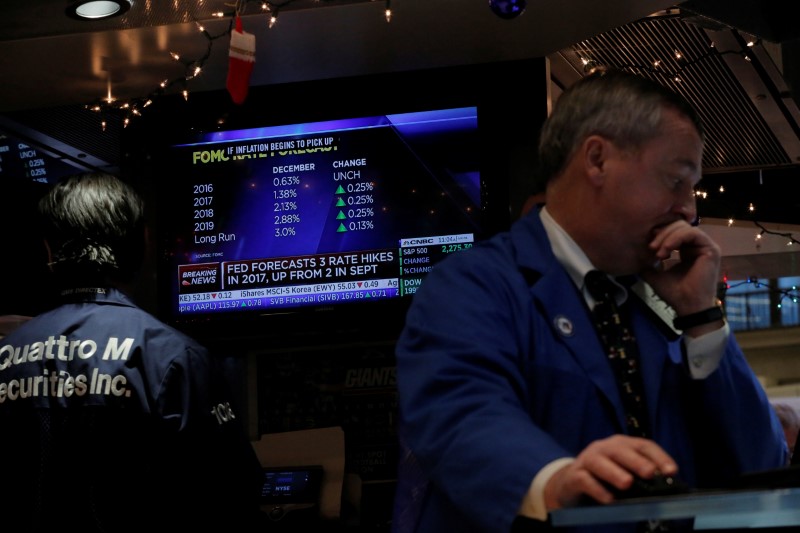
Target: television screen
<point>328,214</point>
<point>322,213</point>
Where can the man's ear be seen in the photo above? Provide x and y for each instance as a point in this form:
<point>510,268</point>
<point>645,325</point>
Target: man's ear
<point>595,154</point>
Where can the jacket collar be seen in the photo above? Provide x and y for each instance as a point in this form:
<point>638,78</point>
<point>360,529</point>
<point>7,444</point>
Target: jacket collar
<point>563,305</point>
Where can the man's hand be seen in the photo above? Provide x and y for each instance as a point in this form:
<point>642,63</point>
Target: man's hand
<point>612,461</point>
<point>688,282</point>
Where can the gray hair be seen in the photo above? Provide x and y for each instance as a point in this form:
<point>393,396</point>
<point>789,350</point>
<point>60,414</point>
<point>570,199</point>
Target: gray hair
<point>617,105</point>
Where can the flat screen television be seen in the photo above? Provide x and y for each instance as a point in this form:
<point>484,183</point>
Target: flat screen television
<point>325,216</point>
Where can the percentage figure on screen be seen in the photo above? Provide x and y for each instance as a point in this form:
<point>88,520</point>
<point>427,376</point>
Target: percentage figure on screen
<point>360,225</point>
<point>360,199</point>
<point>285,180</point>
<point>287,219</point>
<point>281,194</point>
<point>360,187</point>
<point>285,231</point>
<point>285,206</point>
<point>360,212</point>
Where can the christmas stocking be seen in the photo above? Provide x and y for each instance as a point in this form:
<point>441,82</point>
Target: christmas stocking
<point>242,57</point>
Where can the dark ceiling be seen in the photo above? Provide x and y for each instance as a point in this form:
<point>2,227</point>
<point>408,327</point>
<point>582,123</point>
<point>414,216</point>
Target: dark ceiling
<point>63,64</point>
<point>54,67</point>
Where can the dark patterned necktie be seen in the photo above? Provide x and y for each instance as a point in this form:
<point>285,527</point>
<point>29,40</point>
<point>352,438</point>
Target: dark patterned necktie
<point>623,353</point>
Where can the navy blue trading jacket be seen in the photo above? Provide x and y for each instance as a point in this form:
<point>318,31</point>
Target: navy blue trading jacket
<point>113,421</point>
<point>500,371</point>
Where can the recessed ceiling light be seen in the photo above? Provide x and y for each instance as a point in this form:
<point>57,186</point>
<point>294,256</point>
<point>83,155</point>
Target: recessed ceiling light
<point>98,9</point>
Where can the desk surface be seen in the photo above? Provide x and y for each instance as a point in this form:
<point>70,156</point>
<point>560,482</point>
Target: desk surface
<point>710,509</point>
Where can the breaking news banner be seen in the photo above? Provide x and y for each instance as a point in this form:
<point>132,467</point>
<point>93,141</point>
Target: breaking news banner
<point>259,273</point>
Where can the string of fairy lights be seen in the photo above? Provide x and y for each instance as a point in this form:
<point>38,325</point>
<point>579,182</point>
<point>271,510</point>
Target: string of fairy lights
<point>783,293</point>
<point>658,65</point>
<point>193,67</point>
<point>789,293</point>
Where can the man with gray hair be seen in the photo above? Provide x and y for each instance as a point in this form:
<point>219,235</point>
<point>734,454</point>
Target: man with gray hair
<point>583,352</point>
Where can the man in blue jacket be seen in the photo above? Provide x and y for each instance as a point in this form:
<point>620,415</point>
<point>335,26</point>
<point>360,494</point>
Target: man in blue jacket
<point>509,408</point>
<point>110,419</point>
